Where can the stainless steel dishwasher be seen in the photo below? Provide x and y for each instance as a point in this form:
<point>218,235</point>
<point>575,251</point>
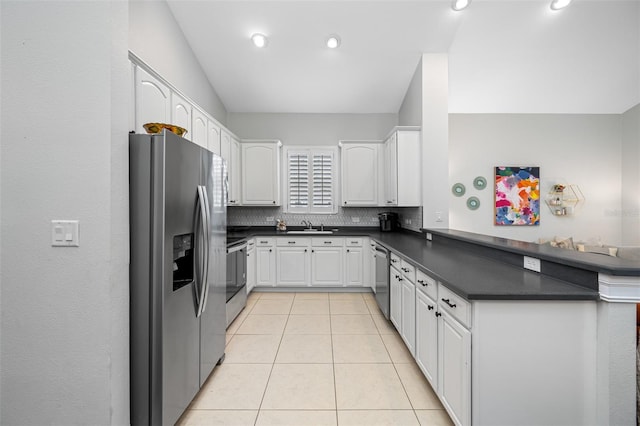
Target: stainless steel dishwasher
<point>382,279</point>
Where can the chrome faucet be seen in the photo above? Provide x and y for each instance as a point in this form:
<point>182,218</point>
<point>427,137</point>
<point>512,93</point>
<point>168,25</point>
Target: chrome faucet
<point>307,224</point>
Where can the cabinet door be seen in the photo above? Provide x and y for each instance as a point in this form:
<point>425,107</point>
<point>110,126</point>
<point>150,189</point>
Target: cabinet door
<point>408,313</point>
<point>181,113</point>
<point>354,267</point>
<point>199,128</point>
<point>260,174</point>
<point>427,337</point>
<point>454,369</point>
<point>225,146</point>
<point>265,266</point>
<point>372,266</point>
<point>292,266</point>
<point>152,99</point>
<point>326,266</point>
<point>359,164</point>
<point>408,168</point>
<point>391,171</point>
<point>395,294</point>
<point>251,270</point>
<point>213,137</point>
<point>234,173</point>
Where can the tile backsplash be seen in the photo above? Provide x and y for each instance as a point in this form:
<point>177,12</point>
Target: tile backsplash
<point>410,217</point>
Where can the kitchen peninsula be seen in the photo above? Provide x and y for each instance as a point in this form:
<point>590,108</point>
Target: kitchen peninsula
<point>501,344</point>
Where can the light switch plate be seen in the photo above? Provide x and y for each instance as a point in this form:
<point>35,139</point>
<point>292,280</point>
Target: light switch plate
<point>64,233</point>
<point>532,264</point>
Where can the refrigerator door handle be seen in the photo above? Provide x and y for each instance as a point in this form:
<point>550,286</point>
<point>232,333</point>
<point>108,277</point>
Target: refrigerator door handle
<point>205,282</point>
<point>201,250</point>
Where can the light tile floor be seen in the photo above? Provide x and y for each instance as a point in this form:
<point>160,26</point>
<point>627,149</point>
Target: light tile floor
<point>302,359</point>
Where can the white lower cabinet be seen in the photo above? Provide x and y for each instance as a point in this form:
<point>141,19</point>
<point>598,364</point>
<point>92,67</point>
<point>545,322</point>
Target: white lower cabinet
<point>427,337</point>
<point>327,255</point>
<point>292,262</point>
<point>251,265</point>
<point>434,325</point>
<point>395,295</point>
<point>408,309</point>
<point>454,369</point>
<point>355,263</point>
<point>302,262</point>
<point>265,262</point>
<point>408,306</point>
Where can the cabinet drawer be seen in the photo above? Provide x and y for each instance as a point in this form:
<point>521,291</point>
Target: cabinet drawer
<point>455,305</point>
<point>292,242</point>
<point>408,270</point>
<point>265,241</point>
<point>395,260</point>
<point>327,242</point>
<point>426,284</point>
<point>353,242</point>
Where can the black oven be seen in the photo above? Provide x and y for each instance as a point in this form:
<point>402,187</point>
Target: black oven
<point>236,287</point>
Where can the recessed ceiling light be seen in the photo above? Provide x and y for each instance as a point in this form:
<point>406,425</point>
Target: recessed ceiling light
<point>559,4</point>
<point>333,41</point>
<point>458,5</point>
<point>260,40</point>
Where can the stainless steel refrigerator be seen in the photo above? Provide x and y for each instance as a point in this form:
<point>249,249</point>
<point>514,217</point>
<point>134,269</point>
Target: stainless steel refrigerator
<point>177,276</point>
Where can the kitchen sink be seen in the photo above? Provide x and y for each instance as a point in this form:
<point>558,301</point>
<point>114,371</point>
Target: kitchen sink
<point>310,232</point>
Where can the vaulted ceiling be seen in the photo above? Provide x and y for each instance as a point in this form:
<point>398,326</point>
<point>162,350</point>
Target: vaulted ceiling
<point>505,56</point>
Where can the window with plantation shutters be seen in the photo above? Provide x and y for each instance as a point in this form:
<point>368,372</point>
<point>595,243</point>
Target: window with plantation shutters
<point>311,180</point>
<point>298,181</point>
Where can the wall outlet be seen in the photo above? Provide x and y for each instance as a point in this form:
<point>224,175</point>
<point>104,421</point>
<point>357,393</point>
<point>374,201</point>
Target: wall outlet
<point>270,219</point>
<point>532,264</point>
<point>438,216</point>
<point>407,221</point>
<point>355,219</point>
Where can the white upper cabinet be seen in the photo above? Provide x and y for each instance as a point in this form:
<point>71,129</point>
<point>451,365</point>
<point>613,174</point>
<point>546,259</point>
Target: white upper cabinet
<point>181,113</point>
<point>213,136</point>
<point>199,128</point>
<point>152,100</point>
<point>260,173</point>
<point>234,173</point>
<point>230,151</point>
<point>403,168</point>
<point>391,171</point>
<point>225,145</point>
<point>361,173</point>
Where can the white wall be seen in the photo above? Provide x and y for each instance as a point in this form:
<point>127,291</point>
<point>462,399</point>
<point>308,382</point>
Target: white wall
<point>410,113</point>
<point>435,140</point>
<point>576,149</point>
<point>64,111</point>
<point>630,211</point>
<point>156,38</point>
<point>311,129</point>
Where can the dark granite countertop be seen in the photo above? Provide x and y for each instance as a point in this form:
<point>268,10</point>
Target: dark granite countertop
<point>589,261</point>
<point>468,274</point>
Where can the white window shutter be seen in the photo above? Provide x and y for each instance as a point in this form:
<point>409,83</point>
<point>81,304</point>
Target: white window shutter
<point>322,182</point>
<point>311,180</point>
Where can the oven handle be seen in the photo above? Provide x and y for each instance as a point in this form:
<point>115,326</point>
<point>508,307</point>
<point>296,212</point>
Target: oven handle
<point>236,248</point>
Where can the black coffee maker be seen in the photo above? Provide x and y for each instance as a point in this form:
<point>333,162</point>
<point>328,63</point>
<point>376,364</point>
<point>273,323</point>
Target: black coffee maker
<point>389,221</point>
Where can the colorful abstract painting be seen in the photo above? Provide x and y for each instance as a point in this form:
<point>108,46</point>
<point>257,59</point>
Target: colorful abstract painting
<point>517,195</point>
